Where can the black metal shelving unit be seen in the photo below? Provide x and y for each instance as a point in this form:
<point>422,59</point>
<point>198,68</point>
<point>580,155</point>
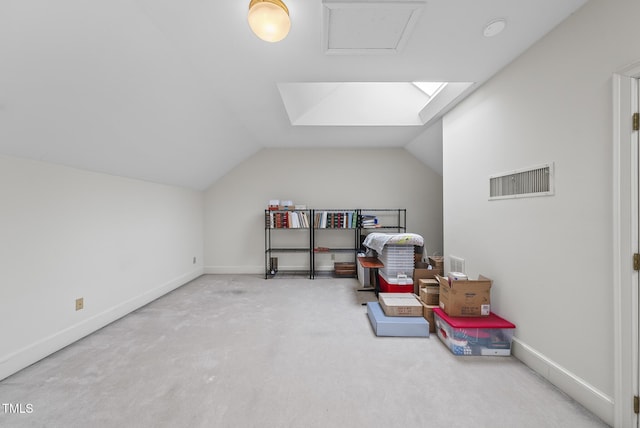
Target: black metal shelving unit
<point>389,220</point>
<point>350,226</point>
<point>270,251</point>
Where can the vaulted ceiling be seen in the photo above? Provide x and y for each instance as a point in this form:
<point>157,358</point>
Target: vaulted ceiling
<point>181,91</point>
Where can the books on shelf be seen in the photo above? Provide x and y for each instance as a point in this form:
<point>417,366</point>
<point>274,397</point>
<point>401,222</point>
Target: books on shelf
<point>288,220</point>
<point>368,221</point>
<point>335,220</point>
<point>323,219</point>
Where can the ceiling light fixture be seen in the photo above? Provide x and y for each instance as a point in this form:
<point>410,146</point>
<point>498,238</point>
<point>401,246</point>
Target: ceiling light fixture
<point>269,19</point>
<point>495,27</point>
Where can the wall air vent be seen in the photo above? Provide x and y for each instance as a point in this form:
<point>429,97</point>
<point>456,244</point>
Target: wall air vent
<point>456,264</point>
<point>522,183</point>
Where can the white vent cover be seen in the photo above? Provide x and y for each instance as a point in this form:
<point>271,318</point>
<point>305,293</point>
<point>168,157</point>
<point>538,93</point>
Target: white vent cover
<point>456,264</point>
<point>522,183</point>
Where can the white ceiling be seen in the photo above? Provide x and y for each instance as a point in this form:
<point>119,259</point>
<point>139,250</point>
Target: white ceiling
<point>180,91</point>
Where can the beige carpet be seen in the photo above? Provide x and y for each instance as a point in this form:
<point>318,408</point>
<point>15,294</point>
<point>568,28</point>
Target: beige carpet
<point>241,351</point>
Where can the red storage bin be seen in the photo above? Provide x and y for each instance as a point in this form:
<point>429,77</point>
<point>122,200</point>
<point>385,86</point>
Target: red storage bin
<point>387,286</point>
<point>489,335</point>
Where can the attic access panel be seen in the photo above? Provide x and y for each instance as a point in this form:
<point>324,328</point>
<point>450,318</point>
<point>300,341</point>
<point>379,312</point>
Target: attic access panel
<point>358,28</point>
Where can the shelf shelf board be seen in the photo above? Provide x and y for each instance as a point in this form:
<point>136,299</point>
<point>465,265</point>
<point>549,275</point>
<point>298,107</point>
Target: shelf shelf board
<point>337,250</point>
<point>288,228</point>
<point>285,273</point>
<point>335,228</point>
<point>331,274</point>
<point>287,250</point>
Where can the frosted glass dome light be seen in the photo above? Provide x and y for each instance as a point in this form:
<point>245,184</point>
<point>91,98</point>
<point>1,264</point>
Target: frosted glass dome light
<point>269,19</point>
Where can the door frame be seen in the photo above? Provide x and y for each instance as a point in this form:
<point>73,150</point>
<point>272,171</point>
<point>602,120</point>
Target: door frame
<point>625,243</point>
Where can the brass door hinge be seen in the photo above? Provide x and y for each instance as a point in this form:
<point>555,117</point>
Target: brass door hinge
<point>636,261</point>
<point>636,121</point>
<point>636,405</point>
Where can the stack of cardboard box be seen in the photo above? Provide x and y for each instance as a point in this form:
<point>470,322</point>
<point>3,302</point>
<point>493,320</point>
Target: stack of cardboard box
<point>397,314</point>
<point>429,293</point>
<point>458,310</point>
<point>402,312</point>
<point>427,288</point>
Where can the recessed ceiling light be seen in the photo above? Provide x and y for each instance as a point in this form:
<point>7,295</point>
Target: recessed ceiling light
<point>495,27</point>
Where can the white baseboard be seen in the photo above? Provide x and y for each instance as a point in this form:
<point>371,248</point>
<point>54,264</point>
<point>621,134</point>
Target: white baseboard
<point>577,388</point>
<point>18,360</point>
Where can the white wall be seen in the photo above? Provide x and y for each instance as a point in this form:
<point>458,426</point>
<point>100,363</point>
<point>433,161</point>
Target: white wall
<point>66,233</point>
<point>428,147</point>
<point>379,178</point>
<point>550,257</point>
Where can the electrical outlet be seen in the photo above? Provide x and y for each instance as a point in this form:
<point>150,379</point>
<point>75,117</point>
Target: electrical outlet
<point>194,260</point>
<point>333,256</point>
<point>79,303</point>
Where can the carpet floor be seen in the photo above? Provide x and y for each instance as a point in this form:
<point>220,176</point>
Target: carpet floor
<point>242,351</point>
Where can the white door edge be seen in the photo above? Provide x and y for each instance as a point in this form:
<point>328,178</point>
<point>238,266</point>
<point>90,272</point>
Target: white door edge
<point>625,243</point>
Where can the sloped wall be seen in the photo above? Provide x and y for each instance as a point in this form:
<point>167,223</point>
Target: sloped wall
<point>118,243</point>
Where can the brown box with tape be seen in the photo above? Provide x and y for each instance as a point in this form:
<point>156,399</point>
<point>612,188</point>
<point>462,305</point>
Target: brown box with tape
<point>465,298</point>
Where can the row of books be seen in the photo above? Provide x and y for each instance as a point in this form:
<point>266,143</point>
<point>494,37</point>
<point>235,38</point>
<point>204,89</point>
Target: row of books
<point>321,220</point>
<point>288,220</point>
<point>335,220</point>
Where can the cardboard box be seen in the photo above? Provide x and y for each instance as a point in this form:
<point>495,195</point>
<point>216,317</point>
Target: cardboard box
<point>396,326</point>
<point>465,298</point>
<point>423,273</point>
<point>429,291</point>
<point>400,305</point>
<point>427,312</point>
<point>437,262</point>
<point>490,335</point>
<point>431,282</point>
<point>344,269</point>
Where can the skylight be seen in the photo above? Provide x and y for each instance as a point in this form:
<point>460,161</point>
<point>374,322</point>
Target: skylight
<point>430,88</point>
<point>358,103</point>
